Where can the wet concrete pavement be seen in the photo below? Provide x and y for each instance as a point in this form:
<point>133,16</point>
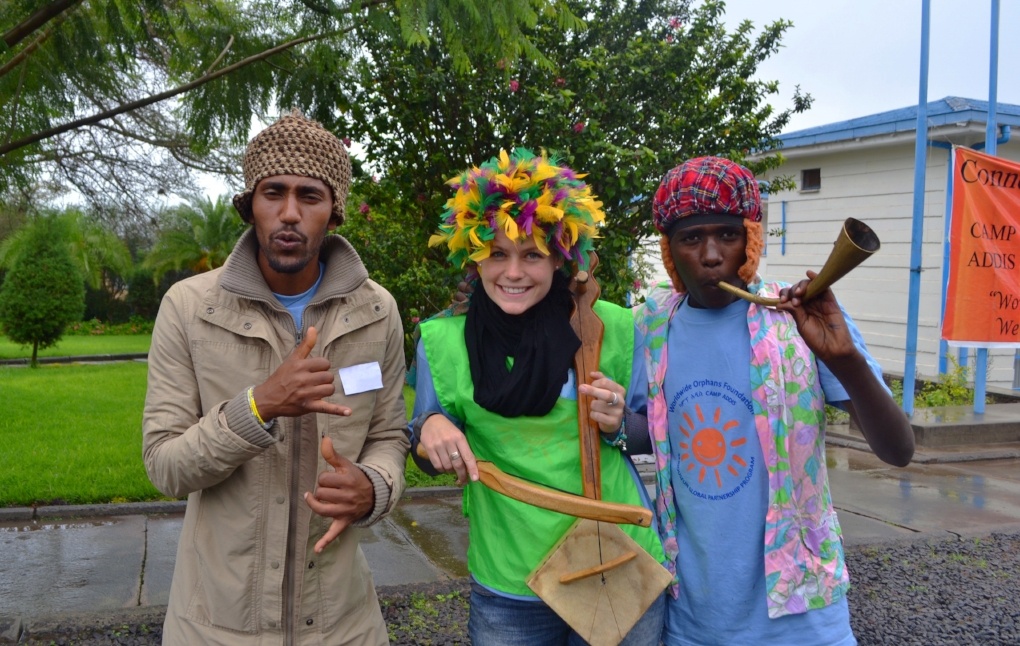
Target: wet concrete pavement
<point>86,563</point>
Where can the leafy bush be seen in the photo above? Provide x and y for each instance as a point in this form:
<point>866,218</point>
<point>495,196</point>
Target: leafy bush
<point>949,389</point>
<point>94,327</point>
<point>835,415</point>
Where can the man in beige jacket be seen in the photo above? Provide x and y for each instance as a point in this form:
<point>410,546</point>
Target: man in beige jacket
<point>275,404</point>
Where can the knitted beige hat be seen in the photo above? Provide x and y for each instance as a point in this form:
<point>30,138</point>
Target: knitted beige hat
<point>295,145</point>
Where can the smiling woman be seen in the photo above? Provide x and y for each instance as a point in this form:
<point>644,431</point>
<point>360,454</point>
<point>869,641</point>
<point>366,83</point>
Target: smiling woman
<point>497,389</point>
<point>517,276</point>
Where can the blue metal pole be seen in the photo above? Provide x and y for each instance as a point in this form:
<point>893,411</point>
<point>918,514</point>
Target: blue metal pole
<point>782,246</point>
<point>981,363</point>
<point>917,230</point>
<point>946,223</point>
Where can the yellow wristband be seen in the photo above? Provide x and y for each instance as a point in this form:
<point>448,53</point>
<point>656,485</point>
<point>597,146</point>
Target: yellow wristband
<point>254,408</point>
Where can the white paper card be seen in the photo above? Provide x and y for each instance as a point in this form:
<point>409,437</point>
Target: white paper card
<point>360,378</point>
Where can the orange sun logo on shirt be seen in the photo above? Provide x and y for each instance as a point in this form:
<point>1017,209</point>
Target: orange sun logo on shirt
<point>704,447</point>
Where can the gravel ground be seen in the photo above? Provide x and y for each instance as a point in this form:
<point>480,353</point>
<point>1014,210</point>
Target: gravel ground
<point>950,591</point>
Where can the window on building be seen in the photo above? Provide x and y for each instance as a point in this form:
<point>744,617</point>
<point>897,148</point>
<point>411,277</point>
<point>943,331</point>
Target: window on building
<point>811,179</point>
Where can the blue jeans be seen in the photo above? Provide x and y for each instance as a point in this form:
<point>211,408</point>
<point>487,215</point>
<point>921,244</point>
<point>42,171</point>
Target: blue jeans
<point>500,621</point>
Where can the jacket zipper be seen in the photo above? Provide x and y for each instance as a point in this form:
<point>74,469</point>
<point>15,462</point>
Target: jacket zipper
<point>289,573</point>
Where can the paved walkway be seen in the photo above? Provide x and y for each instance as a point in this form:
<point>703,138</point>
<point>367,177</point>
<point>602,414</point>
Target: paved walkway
<point>85,559</point>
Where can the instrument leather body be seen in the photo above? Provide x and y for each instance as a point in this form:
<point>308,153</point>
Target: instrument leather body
<point>597,578</point>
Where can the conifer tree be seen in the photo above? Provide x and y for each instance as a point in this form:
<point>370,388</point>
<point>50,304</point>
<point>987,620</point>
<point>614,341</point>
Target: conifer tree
<point>43,292</point>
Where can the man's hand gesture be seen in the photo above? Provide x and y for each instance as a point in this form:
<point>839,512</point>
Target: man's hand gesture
<point>344,494</point>
<point>300,385</point>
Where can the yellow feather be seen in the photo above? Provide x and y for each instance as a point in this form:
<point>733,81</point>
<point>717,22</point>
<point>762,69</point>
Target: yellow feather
<point>540,242</point>
<point>544,171</point>
<point>481,254</point>
<point>508,224</point>
<point>548,213</point>
<point>571,229</point>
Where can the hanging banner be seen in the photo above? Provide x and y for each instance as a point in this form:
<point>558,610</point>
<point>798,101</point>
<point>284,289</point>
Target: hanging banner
<point>983,295</point>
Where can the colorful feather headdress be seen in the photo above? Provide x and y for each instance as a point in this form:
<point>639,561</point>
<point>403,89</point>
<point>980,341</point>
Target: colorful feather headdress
<point>525,195</point>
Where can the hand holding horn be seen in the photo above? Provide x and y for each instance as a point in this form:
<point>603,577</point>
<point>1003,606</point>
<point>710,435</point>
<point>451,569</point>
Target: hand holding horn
<point>856,243</point>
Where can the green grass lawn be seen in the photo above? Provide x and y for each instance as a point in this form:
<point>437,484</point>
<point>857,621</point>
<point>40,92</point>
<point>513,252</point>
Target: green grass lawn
<point>73,433</point>
<point>73,346</point>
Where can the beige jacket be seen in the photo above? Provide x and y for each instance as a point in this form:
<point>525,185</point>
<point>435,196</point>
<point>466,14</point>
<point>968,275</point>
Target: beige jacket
<point>245,570</point>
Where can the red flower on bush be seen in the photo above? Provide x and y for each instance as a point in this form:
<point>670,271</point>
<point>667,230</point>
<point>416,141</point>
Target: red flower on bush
<point>561,82</point>
<point>579,126</point>
<point>347,141</point>
<point>365,208</point>
<point>514,85</point>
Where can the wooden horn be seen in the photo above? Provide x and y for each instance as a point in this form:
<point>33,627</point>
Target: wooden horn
<point>856,242</point>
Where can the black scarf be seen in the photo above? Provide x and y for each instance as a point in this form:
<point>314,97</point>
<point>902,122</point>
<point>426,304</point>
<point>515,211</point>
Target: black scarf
<point>540,341</point>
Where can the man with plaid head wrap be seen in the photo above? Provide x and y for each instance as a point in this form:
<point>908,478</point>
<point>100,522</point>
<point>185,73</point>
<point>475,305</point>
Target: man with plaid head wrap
<point>736,413</point>
<point>275,404</point>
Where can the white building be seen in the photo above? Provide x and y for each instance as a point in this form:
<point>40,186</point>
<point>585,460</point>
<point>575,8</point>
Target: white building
<point>864,168</point>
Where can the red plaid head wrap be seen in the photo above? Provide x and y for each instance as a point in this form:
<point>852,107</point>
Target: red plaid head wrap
<point>709,185</point>
<point>706,185</point>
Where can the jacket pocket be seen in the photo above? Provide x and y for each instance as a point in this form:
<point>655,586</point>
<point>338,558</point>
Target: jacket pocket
<point>220,379</point>
<point>226,548</point>
<point>348,433</point>
<point>342,579</point>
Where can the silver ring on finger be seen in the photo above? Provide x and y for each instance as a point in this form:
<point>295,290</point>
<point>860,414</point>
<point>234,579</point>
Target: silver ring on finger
<point>455,455</point>
<point>616,399</point>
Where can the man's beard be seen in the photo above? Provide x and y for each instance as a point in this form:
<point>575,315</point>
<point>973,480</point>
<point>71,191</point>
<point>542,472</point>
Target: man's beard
<point>288,266</point>
<point>284,264</point>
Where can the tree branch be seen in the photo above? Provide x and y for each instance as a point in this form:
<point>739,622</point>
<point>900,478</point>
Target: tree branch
<point>42,38</point>
<point>219,58</point>
<point>181,89</point>
<point>19,32</point>
<point>141,103</point>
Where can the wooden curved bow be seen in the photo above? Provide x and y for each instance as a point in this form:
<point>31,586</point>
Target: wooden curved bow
<point>561,501</point>
<point>565,503</point>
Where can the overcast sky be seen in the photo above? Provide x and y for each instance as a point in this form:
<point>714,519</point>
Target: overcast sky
<point>862,57</point>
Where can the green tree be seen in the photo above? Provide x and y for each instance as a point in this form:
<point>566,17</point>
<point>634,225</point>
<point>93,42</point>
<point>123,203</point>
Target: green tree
<point>648,83</point>
<point>123,99</point>
<point>196,237</point>
<point>43,291</point>
<point>101,257</point>
<point>396,257</point>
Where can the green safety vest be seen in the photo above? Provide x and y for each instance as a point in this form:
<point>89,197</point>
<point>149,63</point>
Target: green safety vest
<point>508,539</point>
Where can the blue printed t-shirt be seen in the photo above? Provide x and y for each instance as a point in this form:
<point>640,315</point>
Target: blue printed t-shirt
<point>720,485</point>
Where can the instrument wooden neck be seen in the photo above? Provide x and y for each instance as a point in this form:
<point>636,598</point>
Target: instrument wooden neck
<point>589,329</point>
